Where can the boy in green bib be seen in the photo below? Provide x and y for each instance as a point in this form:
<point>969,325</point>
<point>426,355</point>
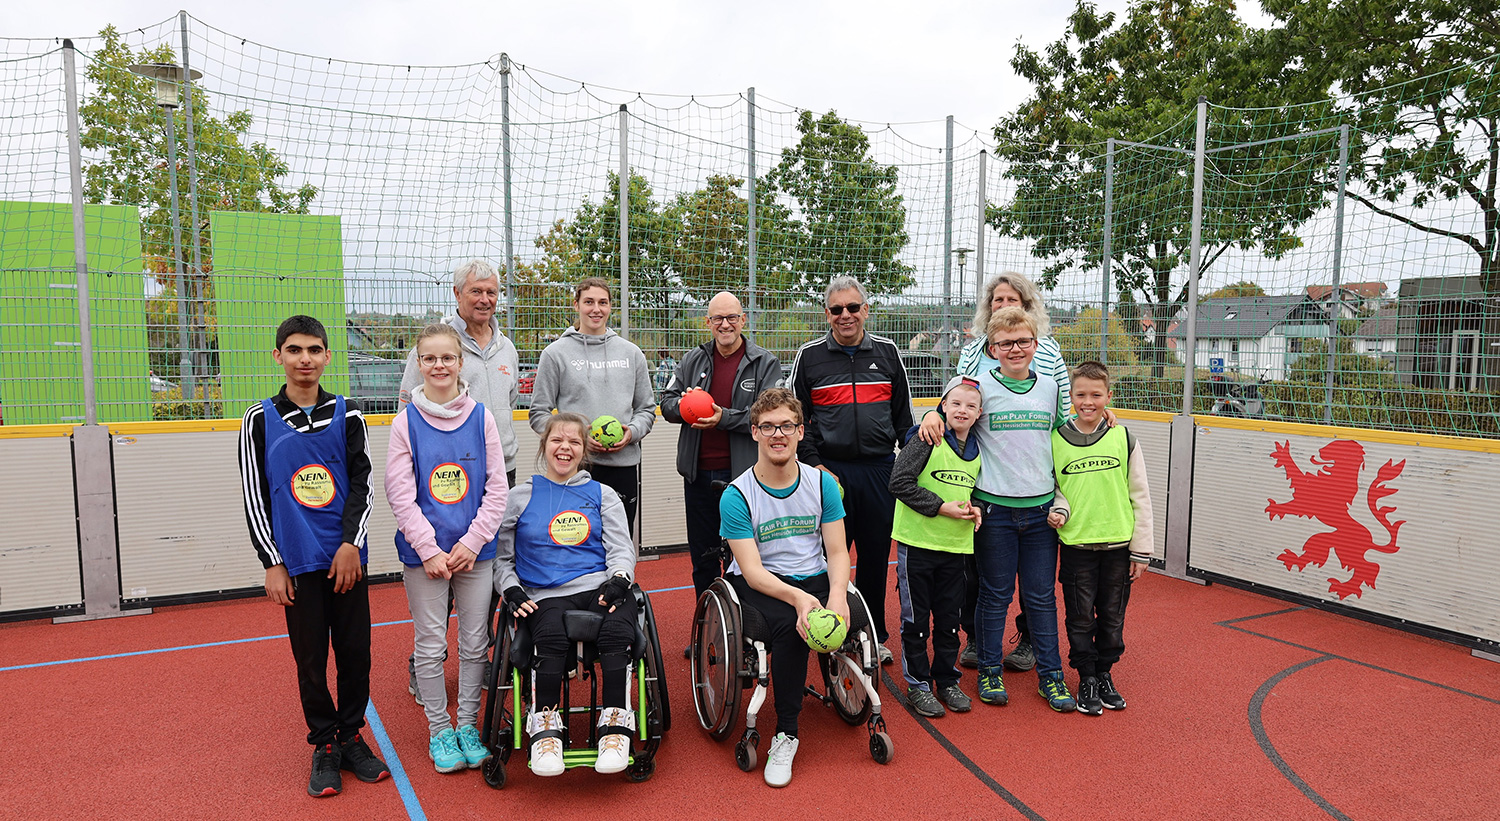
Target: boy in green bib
<point>1102,512</point>
<point>934,532</point>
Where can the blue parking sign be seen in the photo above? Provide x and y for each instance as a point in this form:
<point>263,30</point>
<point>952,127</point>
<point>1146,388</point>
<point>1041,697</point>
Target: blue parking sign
<point>1216,364</point>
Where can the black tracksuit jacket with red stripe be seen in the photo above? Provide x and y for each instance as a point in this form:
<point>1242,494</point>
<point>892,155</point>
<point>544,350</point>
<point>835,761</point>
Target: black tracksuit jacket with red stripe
<point>856,406</point>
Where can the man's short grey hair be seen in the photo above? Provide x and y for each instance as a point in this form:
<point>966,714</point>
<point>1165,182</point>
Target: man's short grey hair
<point>476,268</point>
<point>844,284</point>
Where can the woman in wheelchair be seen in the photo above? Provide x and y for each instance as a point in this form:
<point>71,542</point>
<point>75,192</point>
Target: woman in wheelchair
<point>784,524</point>
<point>565,545</point>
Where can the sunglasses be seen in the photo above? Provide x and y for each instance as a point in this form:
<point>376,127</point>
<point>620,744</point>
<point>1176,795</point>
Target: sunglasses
<point>852,308</point>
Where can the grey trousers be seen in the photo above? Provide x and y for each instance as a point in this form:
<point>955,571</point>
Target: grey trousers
<point>428,602</point>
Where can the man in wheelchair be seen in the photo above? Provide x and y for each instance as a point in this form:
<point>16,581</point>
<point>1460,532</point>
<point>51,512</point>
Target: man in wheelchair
<point>565,545</point>
<point>783,521</point>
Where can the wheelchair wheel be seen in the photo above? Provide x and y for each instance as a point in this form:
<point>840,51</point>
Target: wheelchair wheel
<point>881,748</point>
<point>641,771</point>
<point>715,662</point>
<point>747,750</point>
<point>494,771</point>
<point>658,709</point>
<point>845,691</point>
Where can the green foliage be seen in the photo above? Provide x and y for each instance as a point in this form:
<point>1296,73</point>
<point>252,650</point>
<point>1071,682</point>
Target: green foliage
<point>1419,79</point>
<point>594,232</point>
<point>1236,290</point>
<point>849,217</point>
<point>1350,369</point>
<point>1079,340</point>
<point>124,134</point>
<point>169,405</point>
<point>709,247</point>
<point>1140,81</point>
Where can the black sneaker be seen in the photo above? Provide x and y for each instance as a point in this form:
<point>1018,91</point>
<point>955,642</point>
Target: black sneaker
<point>955,699</point>
<point>1088,697</point>
<point>325,779</point>
<point>970,656</point>
<point>1108,694</point>
<point>356,757</point>
<point>1021,659</point>
<point>925,703</point>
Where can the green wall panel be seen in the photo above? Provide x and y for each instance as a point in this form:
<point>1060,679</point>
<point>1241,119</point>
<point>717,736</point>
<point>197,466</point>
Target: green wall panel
<point>268,267</point>
<point>41,371</point>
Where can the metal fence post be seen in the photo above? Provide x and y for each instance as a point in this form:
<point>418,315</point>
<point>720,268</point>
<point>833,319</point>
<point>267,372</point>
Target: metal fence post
<point>1335,297</point>
<point>510,237</point>
<point>1195,259</point>
<point>979,295</point>
<point>200,295</point>
<point>184,345</point>
<point>750,206</point>
<point>80,238</point>
<point>624,206</point>
<point>943,336</point>
<point>1108,250</point>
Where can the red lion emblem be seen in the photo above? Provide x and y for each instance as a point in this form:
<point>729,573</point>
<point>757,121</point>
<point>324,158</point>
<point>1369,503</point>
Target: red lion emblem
<point>1327,496</point>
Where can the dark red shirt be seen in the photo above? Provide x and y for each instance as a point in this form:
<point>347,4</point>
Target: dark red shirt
<point>713,448</point>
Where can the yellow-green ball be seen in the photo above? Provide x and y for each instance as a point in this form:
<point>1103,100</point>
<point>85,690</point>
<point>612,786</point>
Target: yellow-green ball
<point>607,431</point>
<point>826,630</point>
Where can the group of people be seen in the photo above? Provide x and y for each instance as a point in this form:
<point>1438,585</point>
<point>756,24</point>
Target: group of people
<point>793,474</point>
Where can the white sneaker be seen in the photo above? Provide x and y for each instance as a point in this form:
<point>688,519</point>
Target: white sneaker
<point>546,753</point>
<point>884,653</point>
<point>614,749</point>
<point>779,760</point>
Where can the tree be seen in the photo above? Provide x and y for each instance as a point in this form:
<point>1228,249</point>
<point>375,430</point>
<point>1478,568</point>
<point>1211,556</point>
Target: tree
<point>1140,81</point>
<point>125,132</point>
<point>1420,81</point>
<point>1079,340</point>
<point>849,218</point>
<point>594,232</point>
<point>542,291</point>
<point>1238,290</point>
<point>710,247</point>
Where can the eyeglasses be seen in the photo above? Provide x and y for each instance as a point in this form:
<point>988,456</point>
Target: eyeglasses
<point>726,319</point>
<point>785,428</point>
<point>1014,344</point>
<point>852,308</point>
<point>428,360</point>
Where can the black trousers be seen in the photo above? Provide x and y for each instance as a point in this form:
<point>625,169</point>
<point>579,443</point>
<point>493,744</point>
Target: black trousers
<point>550,640</point>
<point>320,618</point>
<point>870,509</point>
<point>701,500</point>
<point>788,649</point>
<point>971,601</point>
<point>1096,588</point>
<point>931,584</point>
<point>625,481</point>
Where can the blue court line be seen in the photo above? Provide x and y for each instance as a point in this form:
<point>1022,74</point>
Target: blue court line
<point>393,763</point>
<point>229,642</point>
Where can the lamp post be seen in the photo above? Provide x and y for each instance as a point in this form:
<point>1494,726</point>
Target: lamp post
<point>168,78</point>
<point>963,259</point>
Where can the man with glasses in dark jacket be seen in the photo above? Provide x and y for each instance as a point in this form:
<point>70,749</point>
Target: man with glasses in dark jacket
<point>854,390</point>
<point>716,448</point>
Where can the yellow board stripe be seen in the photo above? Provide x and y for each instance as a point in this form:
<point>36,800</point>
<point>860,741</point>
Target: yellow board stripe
<point>1389,437</point>
<point>35,431</point>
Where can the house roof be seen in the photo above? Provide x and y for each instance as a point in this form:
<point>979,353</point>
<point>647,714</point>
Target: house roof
<point>1360,290</point>
<point>1250,317</point>
<point>1380,326</point>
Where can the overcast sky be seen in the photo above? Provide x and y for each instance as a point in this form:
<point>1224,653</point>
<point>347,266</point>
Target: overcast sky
<point>874,60</point>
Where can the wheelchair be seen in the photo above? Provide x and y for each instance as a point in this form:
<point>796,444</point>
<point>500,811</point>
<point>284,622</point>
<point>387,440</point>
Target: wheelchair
<point>730,655</point>
<point>508,697</point>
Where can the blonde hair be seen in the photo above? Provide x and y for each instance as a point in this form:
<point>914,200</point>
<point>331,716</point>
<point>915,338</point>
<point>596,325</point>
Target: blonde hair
<point>444,330</point>
<point>1009,318</point>
<point>1031,301</point>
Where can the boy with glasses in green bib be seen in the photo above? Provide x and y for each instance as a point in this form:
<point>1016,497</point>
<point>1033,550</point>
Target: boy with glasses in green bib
<point>1102,512</point>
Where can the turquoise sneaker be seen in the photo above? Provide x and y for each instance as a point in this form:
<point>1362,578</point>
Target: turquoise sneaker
<point>1052,688</point>
<point>992,687</point>
<point>472,748</point>
<point>443,749</point>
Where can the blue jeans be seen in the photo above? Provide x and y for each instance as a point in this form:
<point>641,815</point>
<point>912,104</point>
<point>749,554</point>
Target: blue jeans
<point>1016,543</point>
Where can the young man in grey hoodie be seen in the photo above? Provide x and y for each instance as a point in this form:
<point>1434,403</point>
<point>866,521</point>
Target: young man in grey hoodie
<point>593,371</point>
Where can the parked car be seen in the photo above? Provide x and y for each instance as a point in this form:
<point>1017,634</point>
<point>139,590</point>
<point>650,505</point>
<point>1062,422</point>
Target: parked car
<point>524,382</point>
<point>375,381</point>
<point>924,374</point>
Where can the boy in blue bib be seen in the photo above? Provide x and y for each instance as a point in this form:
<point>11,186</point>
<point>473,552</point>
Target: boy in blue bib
<point>305,472</point>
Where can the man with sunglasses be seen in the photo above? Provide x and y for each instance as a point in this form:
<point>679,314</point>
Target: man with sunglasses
<point>717,448</point>
<point>858,403</point>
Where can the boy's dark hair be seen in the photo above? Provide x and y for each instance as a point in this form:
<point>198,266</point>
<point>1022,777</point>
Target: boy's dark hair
<point>772,399</point>
<point>300,324</point>
<point>1091,370</point>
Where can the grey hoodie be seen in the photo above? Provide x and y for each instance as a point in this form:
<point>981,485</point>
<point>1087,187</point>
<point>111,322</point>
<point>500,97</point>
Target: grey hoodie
<point>595,376</point>
<point>619,550</point>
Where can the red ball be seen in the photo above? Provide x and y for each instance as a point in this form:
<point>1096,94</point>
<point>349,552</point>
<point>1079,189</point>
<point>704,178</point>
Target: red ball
<point>696,404</point>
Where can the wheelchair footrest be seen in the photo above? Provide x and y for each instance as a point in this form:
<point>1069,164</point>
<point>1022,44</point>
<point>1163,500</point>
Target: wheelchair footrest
<point>583,758</point>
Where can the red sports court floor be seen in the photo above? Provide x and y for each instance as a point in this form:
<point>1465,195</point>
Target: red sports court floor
<point>1240,707</point>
